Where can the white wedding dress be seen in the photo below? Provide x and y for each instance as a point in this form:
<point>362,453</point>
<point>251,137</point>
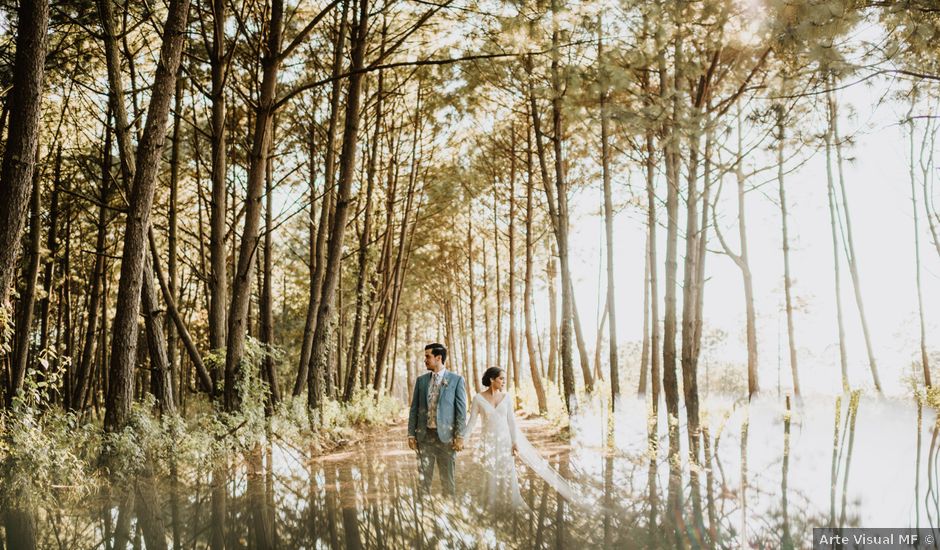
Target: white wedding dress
<point>499,434</point>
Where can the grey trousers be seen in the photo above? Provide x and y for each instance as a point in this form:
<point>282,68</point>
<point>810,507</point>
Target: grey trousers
<point>432,451</point>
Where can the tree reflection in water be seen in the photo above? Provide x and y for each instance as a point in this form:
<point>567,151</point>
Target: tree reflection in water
<point>770,476</point>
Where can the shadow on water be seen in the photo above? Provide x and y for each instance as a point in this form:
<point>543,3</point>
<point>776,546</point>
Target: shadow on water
<point>769,473</point>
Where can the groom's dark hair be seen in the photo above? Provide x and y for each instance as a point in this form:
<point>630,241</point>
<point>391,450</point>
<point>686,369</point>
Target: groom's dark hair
<point>438,350</point>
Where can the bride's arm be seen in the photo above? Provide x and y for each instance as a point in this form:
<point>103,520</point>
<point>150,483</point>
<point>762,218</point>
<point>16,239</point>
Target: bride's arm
<point>511,419</point>
<point>473,418</point>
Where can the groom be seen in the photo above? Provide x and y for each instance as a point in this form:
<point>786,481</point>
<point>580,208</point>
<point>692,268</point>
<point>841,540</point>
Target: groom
<point>438,414</point>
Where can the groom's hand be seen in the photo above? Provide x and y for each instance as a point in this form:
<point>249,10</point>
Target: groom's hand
<point>412,443</point>
<point>458,444</point>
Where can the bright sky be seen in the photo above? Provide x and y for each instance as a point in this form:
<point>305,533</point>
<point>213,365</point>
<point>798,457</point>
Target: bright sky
<point>879,194</point>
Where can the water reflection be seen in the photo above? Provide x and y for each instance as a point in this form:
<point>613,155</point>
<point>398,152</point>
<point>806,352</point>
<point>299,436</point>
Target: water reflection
<point>769,473</point>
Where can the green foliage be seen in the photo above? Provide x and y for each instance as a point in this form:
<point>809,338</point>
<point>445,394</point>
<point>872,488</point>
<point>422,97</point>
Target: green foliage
<point>44,454</point>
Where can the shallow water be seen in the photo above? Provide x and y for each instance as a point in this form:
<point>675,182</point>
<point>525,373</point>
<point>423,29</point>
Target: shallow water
<point>879,470</point>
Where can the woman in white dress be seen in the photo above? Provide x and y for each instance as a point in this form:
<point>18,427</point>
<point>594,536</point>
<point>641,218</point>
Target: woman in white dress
<point>499,441</point>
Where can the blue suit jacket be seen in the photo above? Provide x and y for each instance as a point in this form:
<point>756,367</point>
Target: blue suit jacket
<point>451,408</point>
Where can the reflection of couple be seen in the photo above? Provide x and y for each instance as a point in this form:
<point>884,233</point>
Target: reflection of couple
<point>438,425</point>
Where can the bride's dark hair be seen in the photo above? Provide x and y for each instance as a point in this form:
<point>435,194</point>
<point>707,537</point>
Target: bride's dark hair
<point>490,374</point>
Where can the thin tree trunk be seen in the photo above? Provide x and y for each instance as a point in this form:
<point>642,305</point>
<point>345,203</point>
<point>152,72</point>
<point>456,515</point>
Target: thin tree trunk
<point>321,340</point>
<point>609,232</point>
<point>583,356</point>
<point>269,374</point>
<point>51,245</point>
<point>83,376</point>
<point>28,298</point>
<point>850,252</point>
<point>834,224</point>
<point>645,345</point>
<point>355,356</point>
<point>513,340</point>
<point>19,155</point>
<point>218,262</point>
<point>552,276</point>
<point>924,359</point>
<point>247,253</point>
<point>171,337</point>
<point>653,280</point>
<point>124,333</point>
<point>471,282</point>
<point>318,258</point>
<point>527,293</point>
<point>161,385</point>
<point>561,229</point>
<point>787,281</point>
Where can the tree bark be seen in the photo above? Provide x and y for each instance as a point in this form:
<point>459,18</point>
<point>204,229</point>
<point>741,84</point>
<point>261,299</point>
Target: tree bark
<point>268,372</point>
<point>318,252</point>
<point>218,263</point>
<point>124,333</point>
<point>83,376</point>
<point>19,155</point>
<point>561,229</point>
<point>28,299</point>
<point>609,228</point>
<point>171,337</point>
<point>355,355</point>
<point>527,293</point>
<point>51,245</point>
<point>247,251</point>
<point>320,352</point>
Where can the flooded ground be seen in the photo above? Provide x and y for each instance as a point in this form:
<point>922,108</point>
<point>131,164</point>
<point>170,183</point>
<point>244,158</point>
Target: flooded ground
<point>769,478</point>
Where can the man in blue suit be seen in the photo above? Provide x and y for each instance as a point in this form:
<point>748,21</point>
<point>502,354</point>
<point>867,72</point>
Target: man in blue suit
<point>438,415</point>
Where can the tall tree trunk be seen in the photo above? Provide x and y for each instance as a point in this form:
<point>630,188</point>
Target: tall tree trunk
<point>552,275</point>
<point>743,263</point>
<point>218,262</point>
<point>670,385</point>
<point>561,229</point>
<point>513,340</point>
<point>849,241</point>
<point>924,359</point>
<point>19,155</point>
<point>320,351</point>
<point>171,338</point>
<point>834,225</point>
<point>355,355</point>
<point>161,385</point>
<point>268,373</point>
<point>24,320</point>
<point>609,227</point>
<point>247,252</point>
<point>583,356</point>
<point>787,281</point>
<point>690,292</point>
<point>83,376</point>
<point>645,345</point>
<point>51,244</point>
<point>124,333</point>
<point>471,282</point>
<point>318,251</point>
<point>527,293</point>
<point>651,260</point>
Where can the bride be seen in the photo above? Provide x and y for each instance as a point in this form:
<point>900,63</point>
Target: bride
<point>502,442</point>
<point>499,441</point>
